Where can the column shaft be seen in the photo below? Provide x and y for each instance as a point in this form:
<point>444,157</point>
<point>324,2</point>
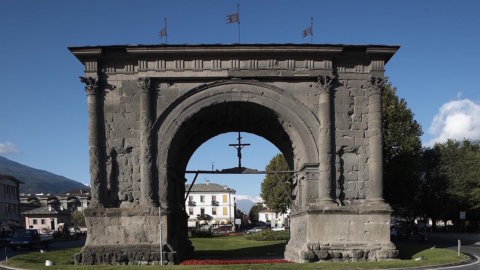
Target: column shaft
<point>96,141</point>
<point>325,141</point>
<point>375,140</point>
<point>146,141</point>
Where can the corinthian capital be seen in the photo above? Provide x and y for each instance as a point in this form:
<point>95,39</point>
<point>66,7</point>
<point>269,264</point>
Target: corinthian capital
<point>144,84</point>
<point>375,84</point>
<point>92,85</point>
<point>325,82</point>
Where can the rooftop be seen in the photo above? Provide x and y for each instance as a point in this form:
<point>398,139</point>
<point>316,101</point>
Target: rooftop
<point>46,211</point>
<point>209,187</point>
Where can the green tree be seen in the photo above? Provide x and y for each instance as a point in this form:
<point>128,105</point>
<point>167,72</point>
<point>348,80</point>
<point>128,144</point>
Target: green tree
<point>253,214</point>
<point>78,218</point>
<point>433,199</point>
<point>276,188</point>
<point>459,164</point>
<point>402,150</point>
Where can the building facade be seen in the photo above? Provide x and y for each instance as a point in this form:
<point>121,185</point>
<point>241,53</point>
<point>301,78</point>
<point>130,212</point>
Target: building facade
<point>211,204</point>
<point>9,202</point>
<point>46,218</point>
<point>75,200</point>
<point>273,219</point>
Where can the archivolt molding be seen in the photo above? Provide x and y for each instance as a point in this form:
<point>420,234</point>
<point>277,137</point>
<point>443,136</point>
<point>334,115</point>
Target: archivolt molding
<point>304,122</point>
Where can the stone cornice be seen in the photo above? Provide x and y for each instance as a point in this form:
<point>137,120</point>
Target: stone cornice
<point>275,60</point>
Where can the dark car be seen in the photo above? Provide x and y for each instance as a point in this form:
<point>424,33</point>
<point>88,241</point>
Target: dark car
<point>29,239</point>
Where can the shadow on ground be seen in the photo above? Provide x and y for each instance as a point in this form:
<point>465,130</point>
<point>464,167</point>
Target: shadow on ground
<point>408,248</point>
<point>274,251</point>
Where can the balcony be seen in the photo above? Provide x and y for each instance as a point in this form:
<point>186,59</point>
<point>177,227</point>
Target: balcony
<point>215,203</point>
<point>191,203</point>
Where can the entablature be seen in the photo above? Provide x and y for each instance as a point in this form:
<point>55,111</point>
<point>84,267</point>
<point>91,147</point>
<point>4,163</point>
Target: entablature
<point>275,60</point>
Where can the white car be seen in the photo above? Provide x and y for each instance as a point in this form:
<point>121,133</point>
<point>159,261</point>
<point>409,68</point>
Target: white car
<point>256,229</point>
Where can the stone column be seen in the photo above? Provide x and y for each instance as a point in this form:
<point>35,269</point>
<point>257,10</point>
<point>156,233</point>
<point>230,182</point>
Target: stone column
<point>325,83</point>
<point>146,140</point>
<point>96,140</point>
<point>375,139</point>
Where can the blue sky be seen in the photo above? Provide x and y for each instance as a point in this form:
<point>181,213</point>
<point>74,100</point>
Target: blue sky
<point>43,106</point>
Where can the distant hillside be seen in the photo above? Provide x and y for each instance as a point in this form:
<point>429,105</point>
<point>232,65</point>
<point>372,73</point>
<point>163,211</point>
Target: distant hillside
<point>37,181</point>
<point>244,205</point>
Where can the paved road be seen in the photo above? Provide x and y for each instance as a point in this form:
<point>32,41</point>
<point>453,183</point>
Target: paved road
<point>470,245</point>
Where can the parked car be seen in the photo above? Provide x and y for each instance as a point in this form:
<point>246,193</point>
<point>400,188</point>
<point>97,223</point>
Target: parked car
<point>30,239</point>
<point>256,229</point>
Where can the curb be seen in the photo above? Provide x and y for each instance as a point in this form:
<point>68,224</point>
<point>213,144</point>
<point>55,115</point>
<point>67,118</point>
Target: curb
<point>2,264</point>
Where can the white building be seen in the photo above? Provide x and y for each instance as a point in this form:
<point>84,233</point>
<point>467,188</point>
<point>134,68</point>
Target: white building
<point>275,220</point>
<point>46,218</point>
<point>212,200</point>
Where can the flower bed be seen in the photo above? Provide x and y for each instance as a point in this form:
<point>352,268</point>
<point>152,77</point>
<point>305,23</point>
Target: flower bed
<point>247,261</point>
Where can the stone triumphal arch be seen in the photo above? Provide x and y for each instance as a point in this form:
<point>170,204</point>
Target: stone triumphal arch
<point>151,107</point>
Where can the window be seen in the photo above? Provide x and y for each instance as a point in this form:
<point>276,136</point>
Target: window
<point>202,211</point>
<point>42,221</point>
<point>214,211</point>
<point>34,221</point>
<point>190,211</point>
<point>190,198</point>
<point>214,198</point>
<point>225,198</point>
<point>202,198</point>
<point>224,211</point>
<point>266,216</point>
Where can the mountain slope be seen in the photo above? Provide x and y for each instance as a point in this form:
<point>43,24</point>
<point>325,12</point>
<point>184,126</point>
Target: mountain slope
<point>244,205</point>
<point>37,181</point>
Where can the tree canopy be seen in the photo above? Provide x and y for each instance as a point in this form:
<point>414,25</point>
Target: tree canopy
<point>276,188</point>
<point>402,150</point>
<point>458,167</point>
<point>253,214</point>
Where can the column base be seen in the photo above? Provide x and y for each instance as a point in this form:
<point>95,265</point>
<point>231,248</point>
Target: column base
<point>124,255</point>
<point>132,236</point>
<point>342,233</point>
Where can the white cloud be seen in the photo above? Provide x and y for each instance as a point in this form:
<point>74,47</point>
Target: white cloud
<point>8,148</point>
<point>254,199</point>
<point>458,120</point>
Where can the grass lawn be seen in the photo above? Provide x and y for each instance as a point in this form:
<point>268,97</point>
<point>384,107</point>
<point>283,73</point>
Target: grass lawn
<point>237,247</point>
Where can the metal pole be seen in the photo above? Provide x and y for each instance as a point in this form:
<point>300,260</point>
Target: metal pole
<point>160,229</point>
<point>166,31</point>
<point>459,245</point>
<point>238,12</point>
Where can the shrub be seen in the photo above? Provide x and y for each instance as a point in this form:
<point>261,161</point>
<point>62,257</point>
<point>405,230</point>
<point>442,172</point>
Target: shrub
<point>268,235</point>
<point>202,233</point>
